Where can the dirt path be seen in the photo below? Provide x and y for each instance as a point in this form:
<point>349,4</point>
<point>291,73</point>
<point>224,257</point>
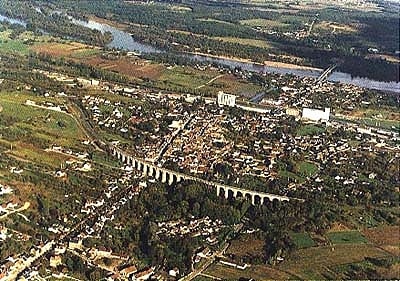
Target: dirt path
<point>26,206</point>
<point>209,82</point>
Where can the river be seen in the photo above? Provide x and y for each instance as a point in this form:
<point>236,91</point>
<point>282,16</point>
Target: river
<point>124,40</point>
<point>12,21</point>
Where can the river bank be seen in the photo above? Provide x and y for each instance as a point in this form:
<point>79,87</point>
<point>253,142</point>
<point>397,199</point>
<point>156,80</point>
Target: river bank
<point>124,41</point>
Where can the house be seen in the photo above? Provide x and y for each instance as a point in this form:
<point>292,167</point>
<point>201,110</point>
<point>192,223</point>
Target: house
<point>128,271</point>
<point>55,261</point>
<point>173,272</point>
<point>144,274</point>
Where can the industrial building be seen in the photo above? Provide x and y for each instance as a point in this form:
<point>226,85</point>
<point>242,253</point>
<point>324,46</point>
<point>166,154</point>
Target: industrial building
<point>316,114</point>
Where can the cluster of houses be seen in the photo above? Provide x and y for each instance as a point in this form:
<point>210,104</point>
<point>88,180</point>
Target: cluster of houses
<point>151,129</point>
<point>4,189</point>
<point>204,227</point>
<point>78,161</point>
<point>215,136</point>
<point>298,93</point>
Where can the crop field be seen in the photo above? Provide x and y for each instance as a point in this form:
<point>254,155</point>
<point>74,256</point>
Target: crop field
<point>243,41</point>
<point>264,23</point>
<point>233,85</point>
<point>344,237</point>
<point>315,262</point>
<point>246,245</point>
<point>302,240</point>
<point>12,45</point>
<point>215,20</point>
<point>35,129</point>
<point>65,49</point>
<point>387,237</point>
<point>134,68</point>
<point>387,268</point>
<point>334,27</point>
<point>258,272</point>
<point>183,77</point>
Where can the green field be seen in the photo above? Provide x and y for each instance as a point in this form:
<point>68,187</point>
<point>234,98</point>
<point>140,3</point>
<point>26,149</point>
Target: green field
<point>302,240</point>
<point>265,23</point>
<point>85,53</point>
<point>309,130</point>
<point>182,77</point>
<point>215,20</point>
<point>19,44</point>
<point>344,237</point>
<point>30,130</point>
<point>306,168</point>
<point>290,175</point>
<point>244,41</point>
<point>258,272</point>
<point>12,45</point>
<point>317,262</point>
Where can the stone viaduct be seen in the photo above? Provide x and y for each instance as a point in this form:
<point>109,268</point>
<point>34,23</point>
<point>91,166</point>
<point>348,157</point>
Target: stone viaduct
<point>169,176</point>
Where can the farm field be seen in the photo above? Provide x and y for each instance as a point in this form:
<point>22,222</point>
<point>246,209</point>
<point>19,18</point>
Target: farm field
<point>159,75</point>
<point>315,262</point>
<point>246,245</point>
<point>244,41</point>
<point>35,129</point>
<point>302,240</point>
<point>204,81</point>
<point>265,23</point>
<point>258,272</point>
<point>387,237</point>
<point>65,49</point>
<point>345,237</point>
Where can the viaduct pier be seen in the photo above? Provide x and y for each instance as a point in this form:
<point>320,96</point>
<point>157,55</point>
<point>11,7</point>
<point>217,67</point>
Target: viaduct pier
<point>170,177</point>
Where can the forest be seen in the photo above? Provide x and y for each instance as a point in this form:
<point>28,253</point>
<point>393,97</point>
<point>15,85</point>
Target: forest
<point>198,25</point>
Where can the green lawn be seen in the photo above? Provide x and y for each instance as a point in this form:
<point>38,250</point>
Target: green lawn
<point>302,240</point>
<point>183,77</point>
<point>306,168</point>
<point>309,130</point>
<point>290,175</point>
<point>344,237</point>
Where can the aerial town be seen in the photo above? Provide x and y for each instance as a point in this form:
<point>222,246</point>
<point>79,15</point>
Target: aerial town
<point>130,152</point>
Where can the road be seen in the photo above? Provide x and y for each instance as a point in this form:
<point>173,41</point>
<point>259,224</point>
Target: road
<point>326,73</point>
<point>209,82</point>
<point>211,260</point>
<point>20,266</point>
<point>80,118</point>
<point>26,206</point>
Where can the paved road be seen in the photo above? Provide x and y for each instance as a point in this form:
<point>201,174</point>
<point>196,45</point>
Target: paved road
<point>20,267</point>
<point>26,206</point>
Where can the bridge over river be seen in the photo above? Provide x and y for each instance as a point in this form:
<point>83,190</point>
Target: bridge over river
<point>170,176</point>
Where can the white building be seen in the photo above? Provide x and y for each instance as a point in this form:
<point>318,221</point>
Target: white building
<point>316,114</point>
<point>226,99</point>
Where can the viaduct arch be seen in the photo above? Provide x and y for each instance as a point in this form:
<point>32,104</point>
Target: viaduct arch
<point>169,176</point>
